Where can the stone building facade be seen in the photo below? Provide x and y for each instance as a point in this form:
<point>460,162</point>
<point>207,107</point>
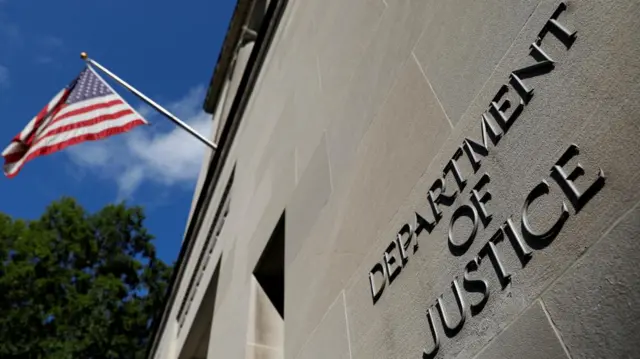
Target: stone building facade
<point>416,179</point>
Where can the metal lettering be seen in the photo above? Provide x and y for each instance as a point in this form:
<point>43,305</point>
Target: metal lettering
<point>452,166</point>
<point>491,250</point>
<point>423,224</point>
<point>565,31</point>
<point>553,25</point>
<point>547,62</point>
<point>459,249</point>
<point>391,260</point>
<point>544,64</point>
<point>376,293</point>
<point>441,198</point>
<point>479,202</point>
<point>499,110</point>
<point>523,90</point>
<point>472,147</point>
<point>475,286</point>
<point>451,329</point>
<point>430,354</point>
<point>566,181</point>
<point>523,252</point>
<point>404,245</point>
<point>535,239</point>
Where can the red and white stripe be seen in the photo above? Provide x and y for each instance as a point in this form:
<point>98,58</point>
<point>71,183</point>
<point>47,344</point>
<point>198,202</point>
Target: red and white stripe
<point>60,125</point>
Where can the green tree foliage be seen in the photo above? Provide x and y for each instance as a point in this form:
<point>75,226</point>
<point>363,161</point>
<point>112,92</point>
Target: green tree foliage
<point>78,285</point>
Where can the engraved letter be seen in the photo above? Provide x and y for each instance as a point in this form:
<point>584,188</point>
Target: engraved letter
<point>539,240</point>
<point>440,198</point>
<point>390,260</point>
<point>491,250</point>
<point>523,252</point>
<point>430,354</point>
<point>451,329</point>
<point>498,110</point>
<point>404,245</point>
<point>423,224</point>
<point>566,181</point>
<point>458,249</point>
<point>523,90</point>
<point>539,52</point>
<point>376,293</point>
<point>475,286</point>
<point>553,25</point>
<point>472,147</point>
<point>544,65</point>
<point>452,166</point>
<point>479,202</point>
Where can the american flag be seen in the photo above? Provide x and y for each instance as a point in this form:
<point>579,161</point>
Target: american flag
<point>86,110</point>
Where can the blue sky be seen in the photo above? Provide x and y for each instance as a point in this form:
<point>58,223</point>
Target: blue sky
<point>166,49</point>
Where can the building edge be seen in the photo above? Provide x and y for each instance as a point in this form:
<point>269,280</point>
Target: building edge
<point>233,38</point>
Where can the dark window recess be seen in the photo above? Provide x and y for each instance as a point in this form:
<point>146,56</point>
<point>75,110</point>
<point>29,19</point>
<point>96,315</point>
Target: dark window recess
<point>197,341</point>
<point>269,271</point>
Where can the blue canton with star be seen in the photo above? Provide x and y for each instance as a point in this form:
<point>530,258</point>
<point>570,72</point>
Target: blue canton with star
<point>87,86</point>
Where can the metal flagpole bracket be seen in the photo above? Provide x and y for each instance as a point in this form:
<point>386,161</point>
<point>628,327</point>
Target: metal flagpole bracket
<point>140,95</point>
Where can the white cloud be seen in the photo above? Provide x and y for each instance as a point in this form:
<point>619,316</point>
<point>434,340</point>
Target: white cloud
<point>4,76</point>
<point>162,153</point>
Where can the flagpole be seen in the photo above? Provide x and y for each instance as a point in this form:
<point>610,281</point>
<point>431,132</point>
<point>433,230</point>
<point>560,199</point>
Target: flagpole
<point>151,103</point>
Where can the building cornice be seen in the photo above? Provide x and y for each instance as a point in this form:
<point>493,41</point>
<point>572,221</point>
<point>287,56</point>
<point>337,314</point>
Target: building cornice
<point>232,39</point>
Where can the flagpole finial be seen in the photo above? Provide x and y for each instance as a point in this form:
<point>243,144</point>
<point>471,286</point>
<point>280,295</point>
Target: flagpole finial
<point>83,55</point>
